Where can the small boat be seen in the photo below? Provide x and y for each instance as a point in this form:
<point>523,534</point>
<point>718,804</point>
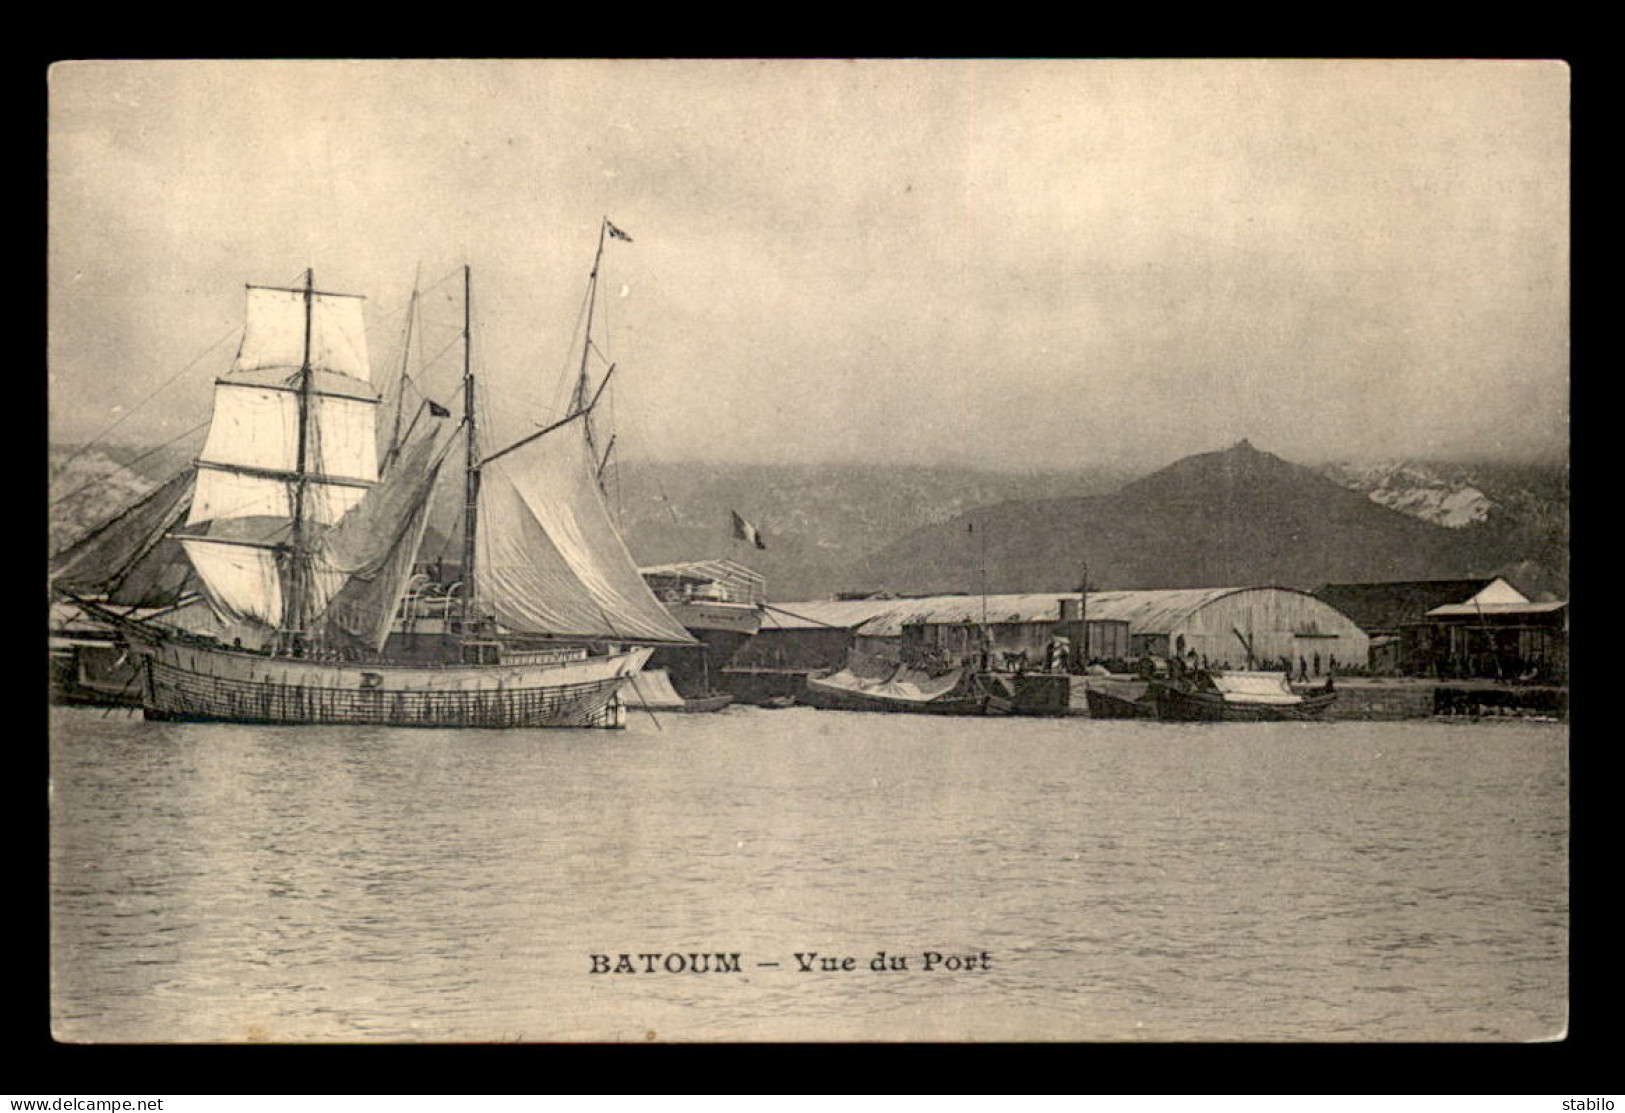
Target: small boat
<point>97,673</point>
<point>778,703</point>
<point>716,701</point>
<point>1215,695</point>
<point>955,692</point>
<point>652,690</point>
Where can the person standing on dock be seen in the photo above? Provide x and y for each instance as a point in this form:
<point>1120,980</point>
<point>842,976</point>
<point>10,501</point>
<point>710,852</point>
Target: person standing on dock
<point>1303,670</point>
<point>1317,662</point>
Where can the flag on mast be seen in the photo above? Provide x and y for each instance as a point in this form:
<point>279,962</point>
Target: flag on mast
<point>614,232</point>
<point>747,532</point>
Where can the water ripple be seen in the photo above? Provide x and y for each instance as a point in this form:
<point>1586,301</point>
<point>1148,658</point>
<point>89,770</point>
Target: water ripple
<point>1130,881</point>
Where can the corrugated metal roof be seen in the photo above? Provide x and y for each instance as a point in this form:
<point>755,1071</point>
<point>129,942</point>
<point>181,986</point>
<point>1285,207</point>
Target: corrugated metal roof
<point>845,614</point>
<point>1497,608</point>
<point>1155,612</point>
<point>960,609</point>
<point>1144,611</point>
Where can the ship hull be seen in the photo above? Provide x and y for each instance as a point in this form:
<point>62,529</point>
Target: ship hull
<point>1174,705</point>
<point>962,696</point>
<point>1105,706</point>
<point>188,683</point>
<point>830,700</point>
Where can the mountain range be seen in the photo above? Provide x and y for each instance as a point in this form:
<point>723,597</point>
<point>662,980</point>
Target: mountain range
<point>1236,516</point>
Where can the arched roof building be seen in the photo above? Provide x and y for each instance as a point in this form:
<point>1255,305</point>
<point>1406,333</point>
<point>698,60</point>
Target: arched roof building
<point>1277,621</point>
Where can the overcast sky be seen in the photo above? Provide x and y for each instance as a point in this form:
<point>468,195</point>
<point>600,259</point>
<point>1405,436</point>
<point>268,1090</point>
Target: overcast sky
<point>1005,263</point>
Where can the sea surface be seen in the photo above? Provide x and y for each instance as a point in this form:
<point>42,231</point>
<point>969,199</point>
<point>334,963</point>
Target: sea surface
<point>1125,881</point>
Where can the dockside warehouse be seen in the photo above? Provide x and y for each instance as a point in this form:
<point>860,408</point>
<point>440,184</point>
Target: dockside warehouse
<point>1213,622</point>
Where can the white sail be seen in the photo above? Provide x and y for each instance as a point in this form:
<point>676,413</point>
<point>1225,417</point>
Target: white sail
<point>550,560</point>
<point>250,463</point>
<point>251,467</point>
<point>222,495</point>
<point>253,427</point>
<point>274,333</point>
<point>243,582</point>
<point>344,440</point>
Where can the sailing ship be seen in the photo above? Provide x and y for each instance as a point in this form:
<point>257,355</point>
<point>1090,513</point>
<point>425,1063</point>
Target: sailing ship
<point>300,547</point>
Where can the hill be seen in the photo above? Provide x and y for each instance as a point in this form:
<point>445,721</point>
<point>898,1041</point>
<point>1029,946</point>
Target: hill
<point>1239,516</point>
<point>87,487</point>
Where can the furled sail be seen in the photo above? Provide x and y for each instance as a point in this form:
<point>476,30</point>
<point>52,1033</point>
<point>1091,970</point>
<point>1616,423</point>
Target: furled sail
<point>550,560</point>
<point>249,471</point>
<point>130,560</point>
<point>361,566</point>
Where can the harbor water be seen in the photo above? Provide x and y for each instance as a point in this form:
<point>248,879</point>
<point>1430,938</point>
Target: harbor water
<point>1011,879</point>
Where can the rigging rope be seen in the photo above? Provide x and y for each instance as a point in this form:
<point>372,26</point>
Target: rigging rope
<point>128,413</point>
<point>234,330</point>
<point>131,464</point>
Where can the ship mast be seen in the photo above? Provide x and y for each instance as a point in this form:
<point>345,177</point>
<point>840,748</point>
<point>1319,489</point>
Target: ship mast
<point>471,467</point>
<point>295,618</point>
<point>405,377</point>
<point>581,406</point>
<point>586,342</point>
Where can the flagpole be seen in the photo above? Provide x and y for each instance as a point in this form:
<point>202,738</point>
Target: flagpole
<point>1082,651</point>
